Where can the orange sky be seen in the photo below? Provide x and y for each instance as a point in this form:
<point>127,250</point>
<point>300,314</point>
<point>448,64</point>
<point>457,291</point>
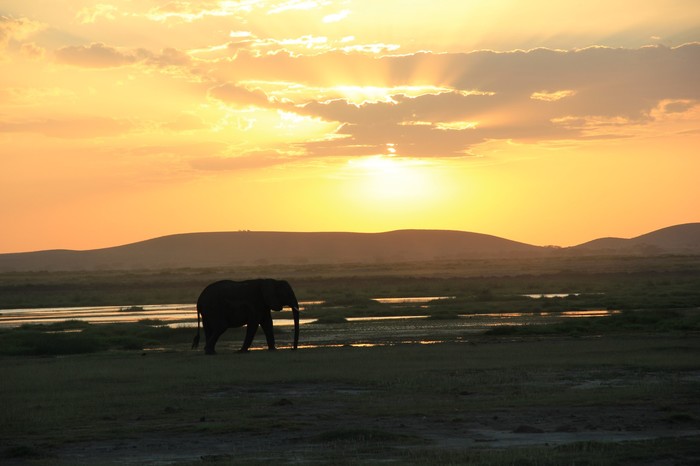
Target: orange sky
<point>536,121</point>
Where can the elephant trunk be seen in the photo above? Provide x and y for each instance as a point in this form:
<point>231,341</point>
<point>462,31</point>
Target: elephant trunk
<point>295,315</point>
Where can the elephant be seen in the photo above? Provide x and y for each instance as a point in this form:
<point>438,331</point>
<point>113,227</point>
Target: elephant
<point>229,303</point>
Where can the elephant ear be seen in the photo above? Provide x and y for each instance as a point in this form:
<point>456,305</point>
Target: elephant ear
<point>270,295</point>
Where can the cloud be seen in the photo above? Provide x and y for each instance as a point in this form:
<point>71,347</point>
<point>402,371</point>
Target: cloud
<point>70,128</point>
<point>548,96</point>
<point>248,43</point>
<point>678,106</point>
<point>247,161</point>
<point>293,46</point>
<point>89,15</point>
<point>583,71</point>
<point>99,55</point>
<point>530,96</point>
<point>445,124</point>
<point>240,96</point>
<point>245,11</point>
<point>180,10</point>
<point>297,5</point>
<point>374,48</point>
<point>96,55</point>
<point>166,58</point>
<point>17,29</point>
<point>336,17</point>
<point>32,50</point>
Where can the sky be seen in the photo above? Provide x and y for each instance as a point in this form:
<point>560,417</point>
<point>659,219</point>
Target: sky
<point>546,122</point>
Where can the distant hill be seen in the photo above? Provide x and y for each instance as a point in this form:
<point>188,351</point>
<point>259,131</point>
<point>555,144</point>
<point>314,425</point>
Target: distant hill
<point>269,248</point>
<point>260,248</point>
<point>679,239</point>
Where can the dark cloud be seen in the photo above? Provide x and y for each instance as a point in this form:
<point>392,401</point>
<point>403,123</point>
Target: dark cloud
<point>678,106</point>
<point>99,55</point>
<point>239,96</point>
<point>530,96</point>
<point>96,55</point>
<point>167,57</point>
<point>444,107</point>
<point>527,96</point>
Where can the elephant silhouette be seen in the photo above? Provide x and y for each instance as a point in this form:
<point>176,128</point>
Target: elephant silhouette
<point>227,303</point>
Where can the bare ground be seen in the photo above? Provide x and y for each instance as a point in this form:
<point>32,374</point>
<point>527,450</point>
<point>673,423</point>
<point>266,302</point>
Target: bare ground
<point>317,427</point>
<point>478,406</point>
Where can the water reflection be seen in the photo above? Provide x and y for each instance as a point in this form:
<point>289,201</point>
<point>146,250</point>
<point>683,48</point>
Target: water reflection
<point>369,345</point>
<point>172,314</point>
<point>594,313</point>
<point>184,315</point>
<point>98,314</point>
<point>507,315</point>
<point>362,319</point>
<point>412,300</point>
<point>550,295</point>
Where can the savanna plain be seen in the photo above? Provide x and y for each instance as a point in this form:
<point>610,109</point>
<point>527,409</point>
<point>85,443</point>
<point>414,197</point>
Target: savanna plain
<point>618,388</point>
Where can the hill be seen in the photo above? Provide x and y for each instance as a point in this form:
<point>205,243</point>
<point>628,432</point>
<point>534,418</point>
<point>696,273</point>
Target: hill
<point>260,248</point>
<point>225,249</point>
<point>679,239</point>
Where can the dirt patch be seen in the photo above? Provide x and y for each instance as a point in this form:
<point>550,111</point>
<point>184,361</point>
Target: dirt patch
<point>306,425</point>
<point>410,404</point>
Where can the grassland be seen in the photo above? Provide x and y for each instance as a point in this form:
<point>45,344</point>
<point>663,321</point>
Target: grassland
<point>616,390</point>
<point>588,400</point>
<point>614,282</point>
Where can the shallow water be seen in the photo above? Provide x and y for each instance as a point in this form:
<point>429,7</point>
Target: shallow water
<point>98,314</point>
<point>184,315</point>
<point>411,300</point>
<point>177,315</point>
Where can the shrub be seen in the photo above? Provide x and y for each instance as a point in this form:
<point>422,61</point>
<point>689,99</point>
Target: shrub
<point>626,321</point>
<point>37,343</point>
<point>74,337</point>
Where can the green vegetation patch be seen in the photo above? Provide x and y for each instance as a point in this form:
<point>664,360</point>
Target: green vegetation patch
<point>77,337</point>
<point>624,322</point>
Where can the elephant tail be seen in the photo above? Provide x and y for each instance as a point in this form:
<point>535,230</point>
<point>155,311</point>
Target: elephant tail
<point>195,342</point>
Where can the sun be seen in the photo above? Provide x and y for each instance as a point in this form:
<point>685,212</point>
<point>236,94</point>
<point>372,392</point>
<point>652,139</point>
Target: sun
<point>390,181</point>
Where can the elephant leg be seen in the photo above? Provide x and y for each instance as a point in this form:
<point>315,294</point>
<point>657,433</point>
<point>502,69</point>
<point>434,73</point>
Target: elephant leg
<point>250,330</point>
<point>212,332</point>
<point>211,341</point>
<point>266,325</point>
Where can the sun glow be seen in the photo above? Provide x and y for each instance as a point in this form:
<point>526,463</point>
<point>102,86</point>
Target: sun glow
<point>363,94</point>
<point>360,95</point>
<point>390,181</point>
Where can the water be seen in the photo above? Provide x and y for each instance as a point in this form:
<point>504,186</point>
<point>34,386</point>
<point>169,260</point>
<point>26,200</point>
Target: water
<point>184,315</point>
<point>176,315</point>
<point>419,300</point>
<point>356,332</point>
